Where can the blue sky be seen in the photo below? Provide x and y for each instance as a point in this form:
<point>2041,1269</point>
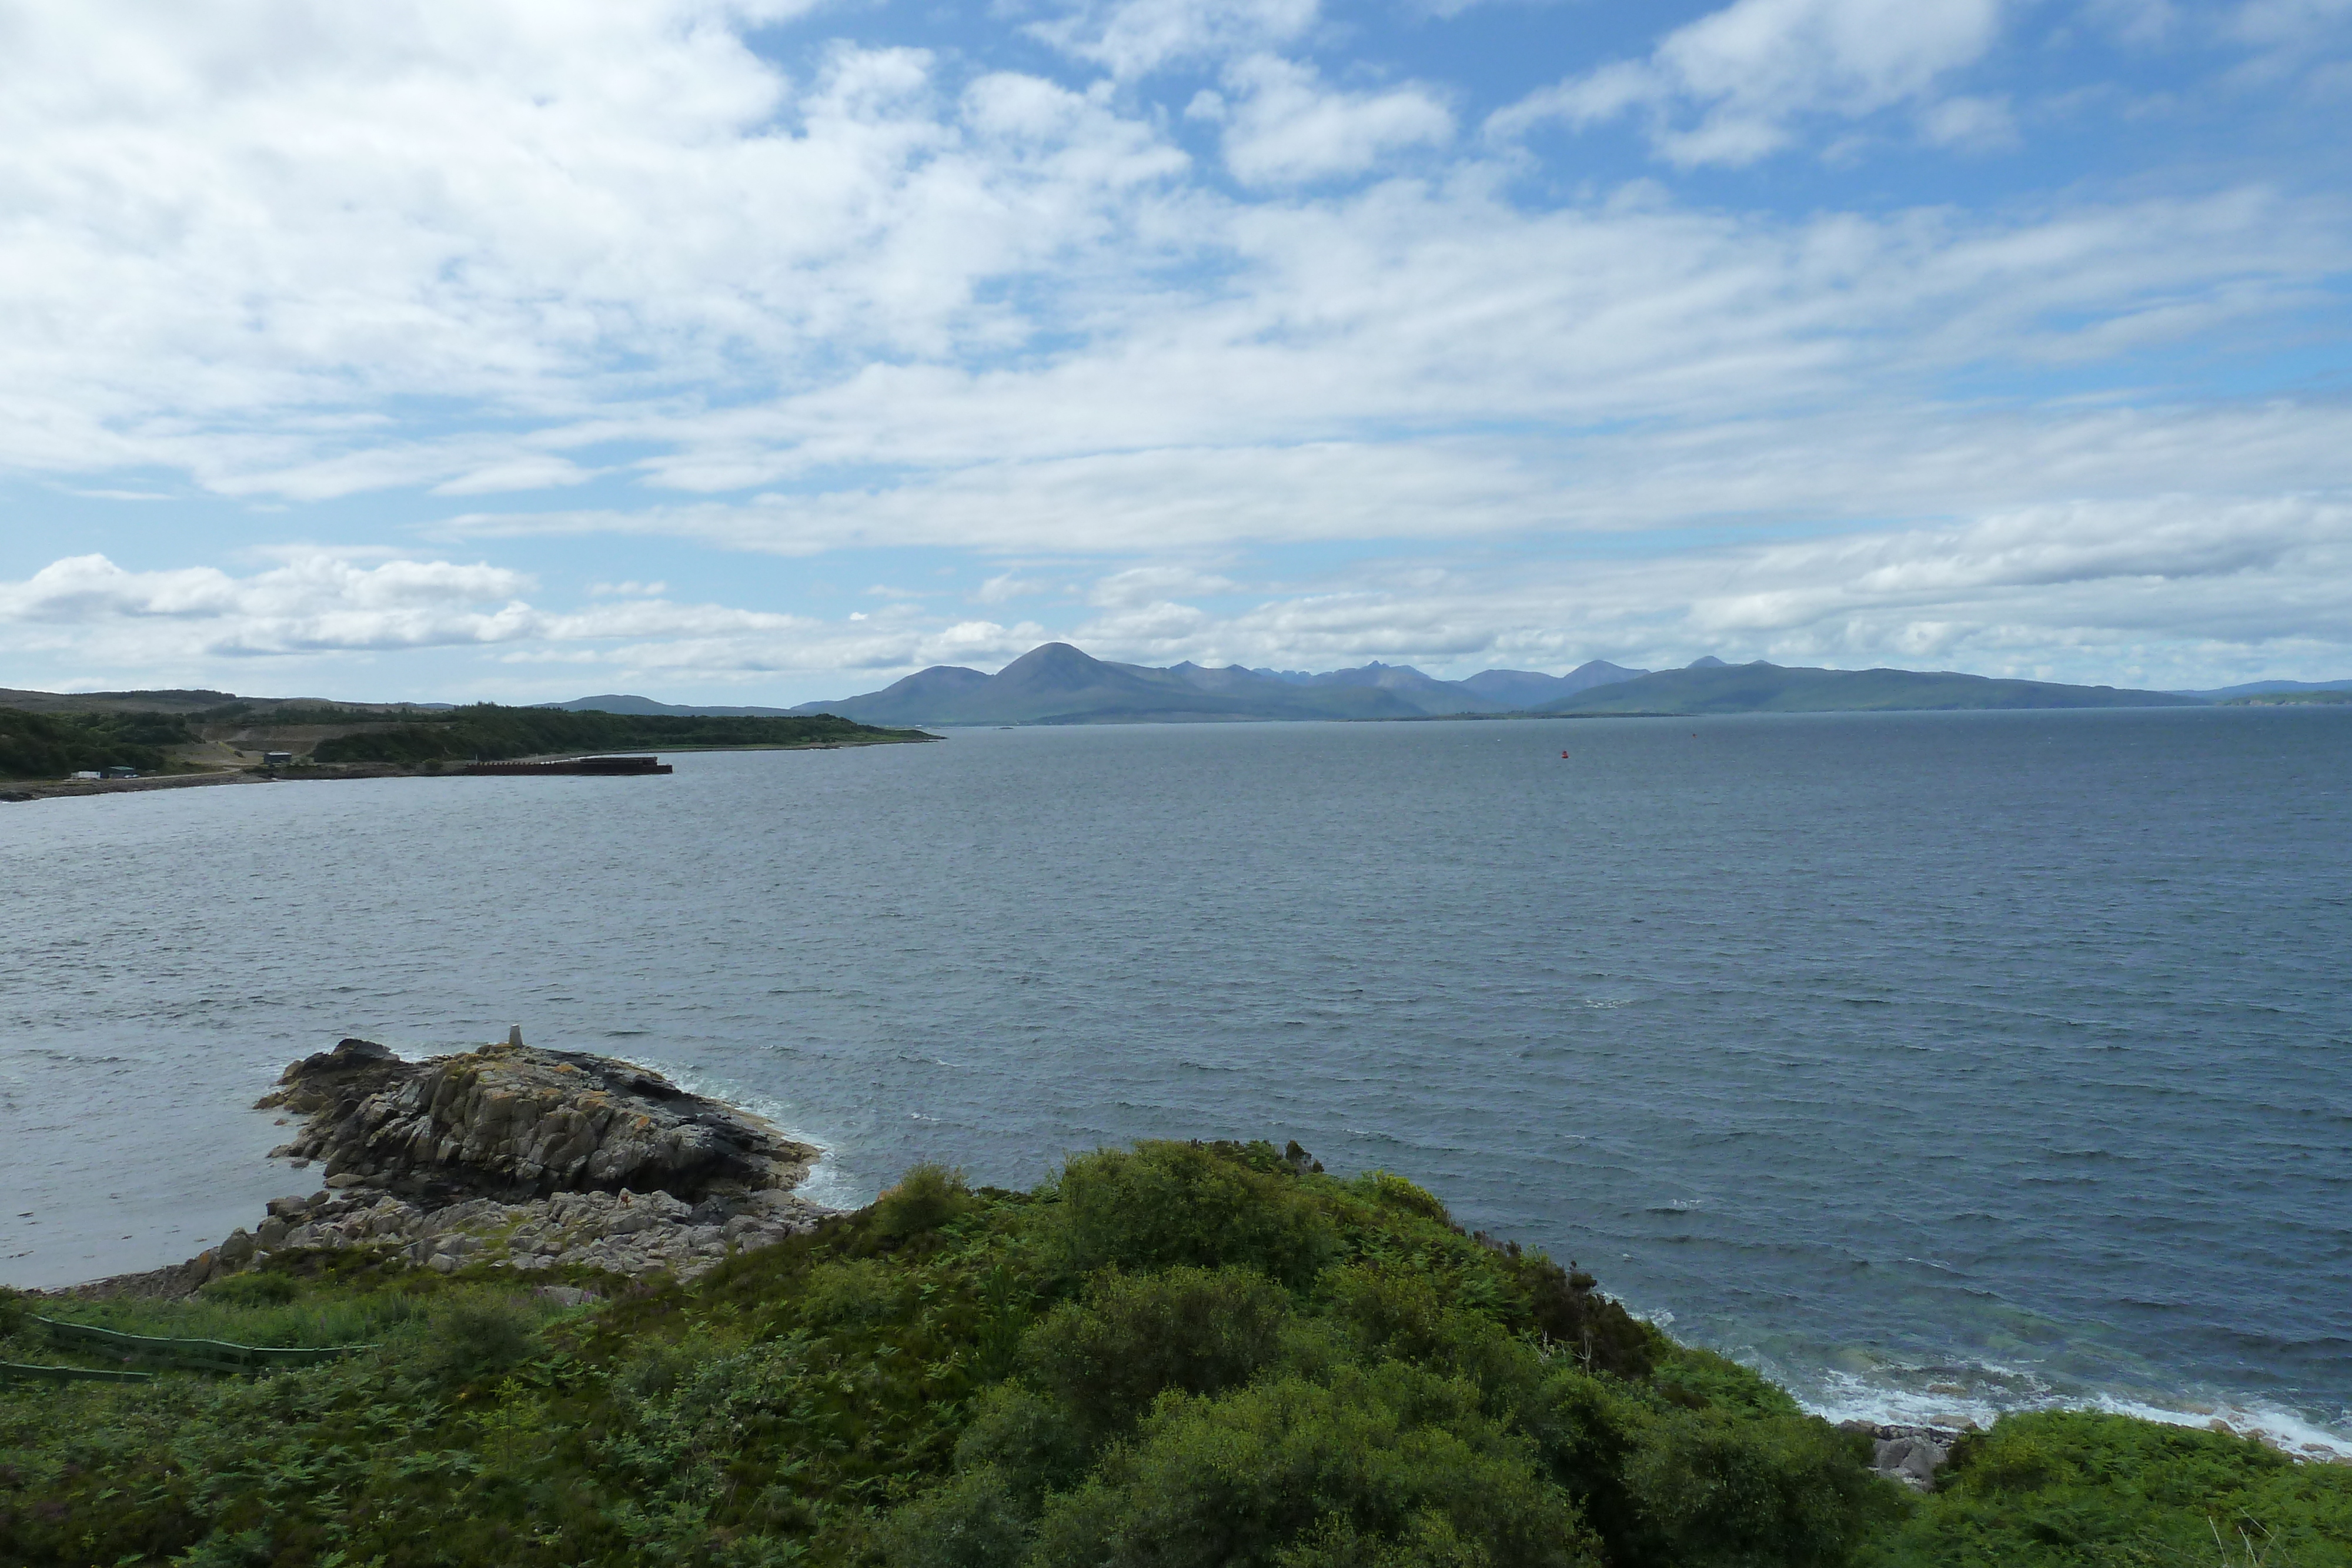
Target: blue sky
<point>766,352</point>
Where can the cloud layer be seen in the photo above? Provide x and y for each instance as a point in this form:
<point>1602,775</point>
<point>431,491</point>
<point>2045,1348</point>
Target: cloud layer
<point>1239,289</point>
<point>2171,591</point>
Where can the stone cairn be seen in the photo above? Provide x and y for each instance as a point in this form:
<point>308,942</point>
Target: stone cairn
<point>521,1157</point>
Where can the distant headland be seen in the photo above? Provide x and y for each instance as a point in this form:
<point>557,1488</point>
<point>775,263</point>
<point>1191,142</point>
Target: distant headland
<point>170,738</point>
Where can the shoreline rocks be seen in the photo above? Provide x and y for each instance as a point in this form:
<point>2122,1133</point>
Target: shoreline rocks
<point>1911,1455</point>
<point>625,1232</point>
<point>516,1157</point>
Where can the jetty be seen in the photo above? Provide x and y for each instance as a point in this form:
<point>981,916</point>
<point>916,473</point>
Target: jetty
<point>600,766</point>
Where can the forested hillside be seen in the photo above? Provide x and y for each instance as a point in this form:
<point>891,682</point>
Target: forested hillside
<point>52,745</point>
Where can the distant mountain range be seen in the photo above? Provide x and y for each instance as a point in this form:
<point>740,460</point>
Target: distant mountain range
<point>2268,689</point>
<point>642,707</point>
<point>1759,688</point>
<point>1057,683</point>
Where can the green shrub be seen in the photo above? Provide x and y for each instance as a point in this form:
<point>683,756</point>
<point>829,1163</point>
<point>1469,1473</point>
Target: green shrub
<point>1135,1336</point>
<point>253,1289</point>
<point>1388,1310</point>
<point>1030,1441</point>
<point>1427,1540</point>
<point>1286,1467</point>
<point>1695,1378</point>
<point>1721,1489</point>
<point>853,1294</point>
<point>1166,1204</point>
<point>1395,1192</point>
<point>1568,1310</point>
<point>473,1341</point>
<point>1667,1485</point>
<point>926,1198</point>
<point>973,1521</point>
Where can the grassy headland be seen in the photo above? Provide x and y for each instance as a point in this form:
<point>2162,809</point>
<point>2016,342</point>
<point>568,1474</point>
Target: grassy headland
<point>1175,1355</point>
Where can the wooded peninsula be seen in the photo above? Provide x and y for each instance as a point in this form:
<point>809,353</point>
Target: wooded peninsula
<point>235,736</point>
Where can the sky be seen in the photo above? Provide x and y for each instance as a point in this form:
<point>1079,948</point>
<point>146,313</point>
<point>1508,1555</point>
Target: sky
<point>764,352</point>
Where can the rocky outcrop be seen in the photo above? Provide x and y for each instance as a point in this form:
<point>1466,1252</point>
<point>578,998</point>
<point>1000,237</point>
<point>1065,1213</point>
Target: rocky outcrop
<point>514,1123</point>
<point>628,1233</point>
<point>513,1157</point>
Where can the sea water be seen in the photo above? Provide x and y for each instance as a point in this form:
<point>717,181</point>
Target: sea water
<point>1936,1064</point>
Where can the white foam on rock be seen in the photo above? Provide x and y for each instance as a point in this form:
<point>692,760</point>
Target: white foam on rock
<point>1847,1397</point>
<point>826,1184</point>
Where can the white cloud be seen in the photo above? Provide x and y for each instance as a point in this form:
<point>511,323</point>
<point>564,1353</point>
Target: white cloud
<point>292,254</point>
<point>1151,585</point>
<point>2170,567</point>
<point>2296,23</point>
<point>2177,590</point>
<point>1403,313</point>
<point>316,601</point>
<point>638,236</point>
<point>1732,87</point>
<point>1135,37</point>
<point>2291,43</point>
<point>1838,467</point>
<point>321,602</point>
<point>2164,592</point>
<point>526,472</point>
<point>1972,124</point>
<point>229,238</point>
<point>1006,586</point>
<point>1288,127</point>
<point>2143,23</point>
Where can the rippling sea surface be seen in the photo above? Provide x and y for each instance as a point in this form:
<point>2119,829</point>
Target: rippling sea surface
<point>1935,1063</point>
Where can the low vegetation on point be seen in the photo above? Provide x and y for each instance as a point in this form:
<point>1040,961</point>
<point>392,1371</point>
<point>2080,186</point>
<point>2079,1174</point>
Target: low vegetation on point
<point>1174,1356</point>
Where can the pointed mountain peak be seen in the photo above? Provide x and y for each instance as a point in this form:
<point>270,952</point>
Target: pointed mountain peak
<point>1053,658</point>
